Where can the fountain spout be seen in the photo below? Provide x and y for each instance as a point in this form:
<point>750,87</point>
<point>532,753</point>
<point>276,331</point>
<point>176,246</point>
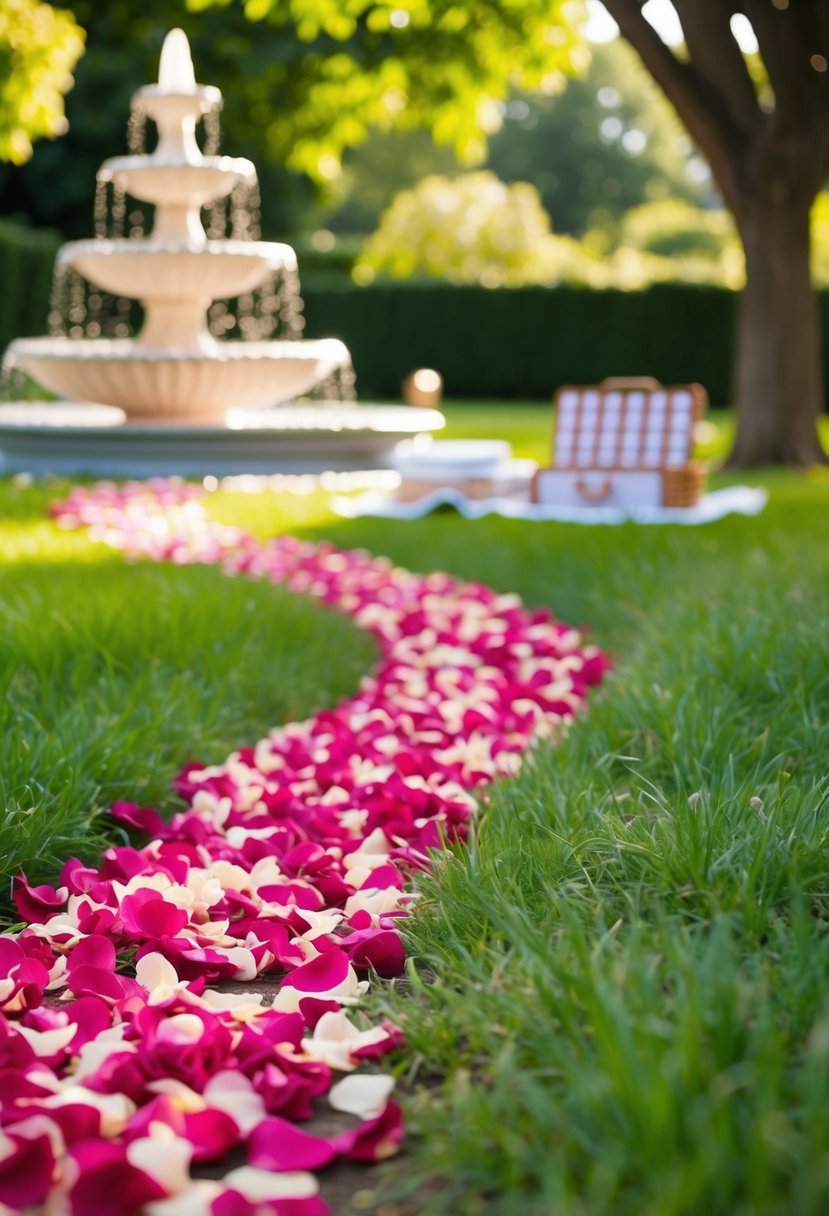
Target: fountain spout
<point>176,73</point>
<point>176,103</point>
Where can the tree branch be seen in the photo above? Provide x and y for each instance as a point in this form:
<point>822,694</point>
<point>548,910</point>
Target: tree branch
<point>717,58</point>
<point>788,39</point>
<point>792,41</point>
<point>703,112</point>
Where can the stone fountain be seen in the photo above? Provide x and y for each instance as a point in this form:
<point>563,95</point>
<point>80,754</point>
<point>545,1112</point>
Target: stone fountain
<point>175,397</point>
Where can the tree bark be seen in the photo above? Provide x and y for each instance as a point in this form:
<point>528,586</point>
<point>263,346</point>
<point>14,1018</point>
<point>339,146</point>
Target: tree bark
<point>769,165</point>
<point>778,377</point>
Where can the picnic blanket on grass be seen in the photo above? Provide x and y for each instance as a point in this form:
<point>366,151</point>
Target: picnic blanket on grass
<point>739,500</point>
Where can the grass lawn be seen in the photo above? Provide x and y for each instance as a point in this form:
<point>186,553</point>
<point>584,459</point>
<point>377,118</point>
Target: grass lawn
<point>619,997</point>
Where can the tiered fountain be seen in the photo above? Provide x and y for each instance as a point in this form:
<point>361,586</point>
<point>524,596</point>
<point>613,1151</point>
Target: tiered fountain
<point>176,398</point>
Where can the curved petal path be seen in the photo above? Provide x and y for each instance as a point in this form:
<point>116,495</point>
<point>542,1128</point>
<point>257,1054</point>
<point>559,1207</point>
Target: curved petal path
<point>125,1062</point>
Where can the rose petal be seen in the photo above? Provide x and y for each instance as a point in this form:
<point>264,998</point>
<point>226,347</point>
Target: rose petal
<point>279,1145</point>
<point>365,1094</point>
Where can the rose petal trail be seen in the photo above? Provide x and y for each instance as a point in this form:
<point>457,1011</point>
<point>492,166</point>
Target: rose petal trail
<point>293,860</point>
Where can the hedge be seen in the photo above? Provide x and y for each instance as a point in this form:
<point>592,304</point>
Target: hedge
<point>510,343</point>
<point>27,256</point>
<point>525,342</point>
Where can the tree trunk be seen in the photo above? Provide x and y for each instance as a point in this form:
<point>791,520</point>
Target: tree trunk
<point>778,374</point>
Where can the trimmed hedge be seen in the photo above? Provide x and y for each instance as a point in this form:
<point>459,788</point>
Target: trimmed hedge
<point>27,256</point>
<point>525,342</point>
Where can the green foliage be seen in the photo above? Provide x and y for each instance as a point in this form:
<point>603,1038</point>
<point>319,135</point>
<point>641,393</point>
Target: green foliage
<point>39,46</point>
<point>670,240</point>
<point>434,63</point>
<point>124,40</point>
<point>573,146</point>
<point>475,229</point>
<point>607,143</point>
<point>676,229</point>
<point>374,172</point>
<point>468,229</point>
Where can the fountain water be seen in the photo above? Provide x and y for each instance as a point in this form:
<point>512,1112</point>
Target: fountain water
<point>179,394</point>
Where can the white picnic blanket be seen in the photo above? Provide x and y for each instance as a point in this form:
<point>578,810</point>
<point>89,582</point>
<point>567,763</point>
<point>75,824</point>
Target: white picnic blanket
<point>740,500</point>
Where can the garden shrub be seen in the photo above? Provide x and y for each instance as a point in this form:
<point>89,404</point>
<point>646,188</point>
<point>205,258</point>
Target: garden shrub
<point>467,229</point>
<point>673,228</point>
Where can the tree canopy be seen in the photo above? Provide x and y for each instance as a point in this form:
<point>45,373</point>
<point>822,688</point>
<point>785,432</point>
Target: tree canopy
<point>302,83</point>
<point>608,142</point>
<point>56,187</point>
<point>441,64</point>
<point>39,46</point>
<point>468,229</point>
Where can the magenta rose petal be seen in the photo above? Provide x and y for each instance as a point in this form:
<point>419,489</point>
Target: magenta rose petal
<point>26,1167</point>
<point>107,1184</point>
<point>279,1145</point>
<point>322,974</point>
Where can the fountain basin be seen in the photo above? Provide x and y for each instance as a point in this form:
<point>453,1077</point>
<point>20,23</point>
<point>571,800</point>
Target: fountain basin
<point>163,386</point>
<point>66,438</point>
<point>149,269</point>
<point>177,183</point>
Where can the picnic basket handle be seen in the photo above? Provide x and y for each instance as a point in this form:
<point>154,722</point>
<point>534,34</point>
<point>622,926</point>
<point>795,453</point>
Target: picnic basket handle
<point>643,382</point>
<point>594,494</point>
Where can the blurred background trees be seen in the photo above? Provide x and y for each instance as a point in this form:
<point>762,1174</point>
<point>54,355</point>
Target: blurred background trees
<point>39,46</point>
<point>605,142</point>
<point>467,229</point>
<point>123,43</point>
<point>594,147</point>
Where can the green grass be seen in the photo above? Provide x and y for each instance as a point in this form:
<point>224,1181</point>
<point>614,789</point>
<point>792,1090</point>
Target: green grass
<point>112,676</point>
<point>630,1010</point>
<point>619,995</point>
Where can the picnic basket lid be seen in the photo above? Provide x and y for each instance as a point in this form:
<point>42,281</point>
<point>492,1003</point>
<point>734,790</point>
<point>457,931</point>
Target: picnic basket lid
<point>634,423</point>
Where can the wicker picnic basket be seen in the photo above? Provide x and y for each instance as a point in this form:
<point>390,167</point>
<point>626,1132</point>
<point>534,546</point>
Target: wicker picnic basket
<point>624,443</point>
<point>683,486</point>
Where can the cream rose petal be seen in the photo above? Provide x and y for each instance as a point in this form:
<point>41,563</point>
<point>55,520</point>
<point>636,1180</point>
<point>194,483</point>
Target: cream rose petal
<point>164,1156</point>
<point>364,1095</point>
<point>234,1094</point>
<point>197,1200</point>
<point>47,1042</point>
<point>154,971</point>
<point>261,1185</point>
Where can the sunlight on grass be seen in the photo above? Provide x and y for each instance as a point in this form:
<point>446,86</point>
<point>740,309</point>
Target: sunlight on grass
<point>269,514</point>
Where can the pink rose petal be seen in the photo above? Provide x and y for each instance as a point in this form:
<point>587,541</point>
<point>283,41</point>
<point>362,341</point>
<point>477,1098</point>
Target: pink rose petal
<point>107,1184</point>
<point>278,1145</point>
